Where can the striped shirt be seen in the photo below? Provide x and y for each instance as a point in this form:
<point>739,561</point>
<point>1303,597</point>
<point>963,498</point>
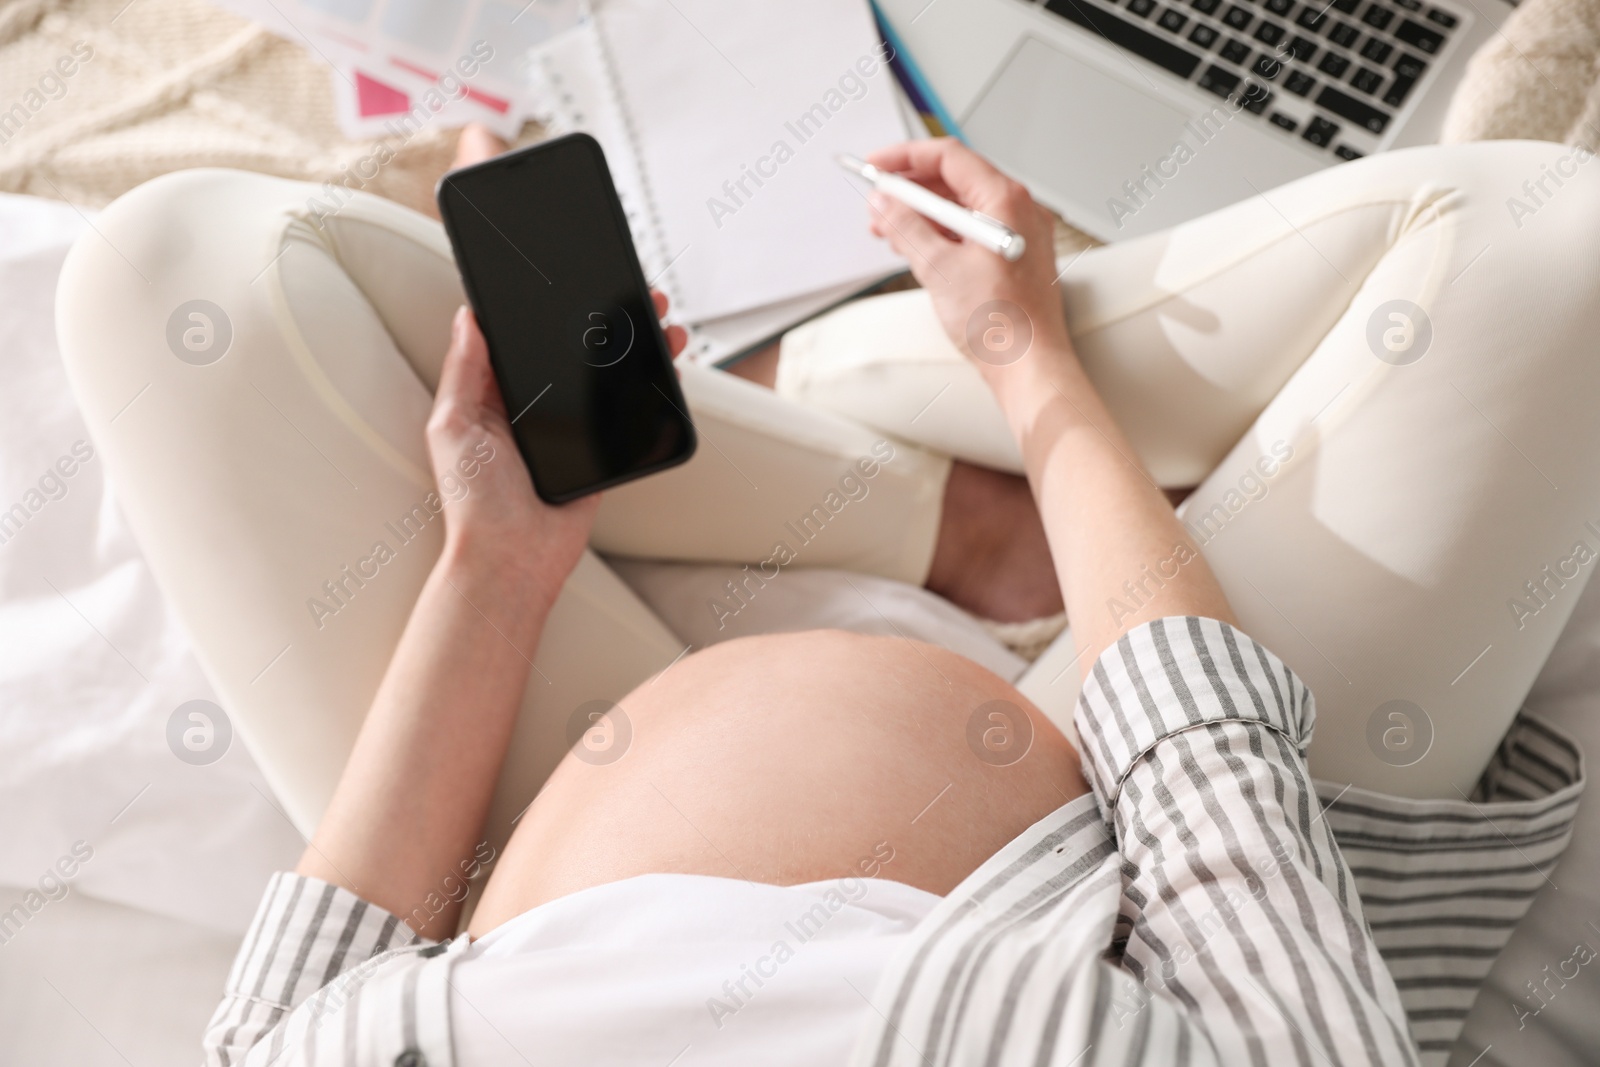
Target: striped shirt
<point>1205,903</point>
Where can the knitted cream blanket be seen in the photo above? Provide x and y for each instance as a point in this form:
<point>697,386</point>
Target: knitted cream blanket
<point>1538,79</point>
<point>98,96</point>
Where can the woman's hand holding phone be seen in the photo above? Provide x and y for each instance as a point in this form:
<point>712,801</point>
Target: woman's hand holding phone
<point>549,266</point>
<point>492,516</point>
<point>417,787</point>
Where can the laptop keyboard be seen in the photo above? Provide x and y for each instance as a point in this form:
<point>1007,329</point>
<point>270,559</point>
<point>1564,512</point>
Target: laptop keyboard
<point>1352,64</point>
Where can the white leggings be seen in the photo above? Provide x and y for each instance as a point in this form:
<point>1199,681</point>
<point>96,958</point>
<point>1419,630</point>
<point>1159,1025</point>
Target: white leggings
<point>1376,519</point>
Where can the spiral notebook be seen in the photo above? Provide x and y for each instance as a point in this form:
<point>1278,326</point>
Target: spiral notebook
<point>720,121</point>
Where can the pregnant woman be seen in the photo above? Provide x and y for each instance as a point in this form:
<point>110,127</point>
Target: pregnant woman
<point>813,847</point>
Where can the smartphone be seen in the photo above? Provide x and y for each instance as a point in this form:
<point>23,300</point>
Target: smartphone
<point>550,269</point>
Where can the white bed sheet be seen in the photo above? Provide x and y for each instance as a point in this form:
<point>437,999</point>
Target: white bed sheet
<point>92,665</point>
<point>95,984</point>
<point>128,965</point>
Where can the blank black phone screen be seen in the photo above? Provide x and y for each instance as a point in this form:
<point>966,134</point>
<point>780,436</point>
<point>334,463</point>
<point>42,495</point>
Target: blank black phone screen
<point>551,272</point>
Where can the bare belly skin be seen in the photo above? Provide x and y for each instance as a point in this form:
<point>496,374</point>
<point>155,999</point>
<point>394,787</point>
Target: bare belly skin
<point>795,758</point>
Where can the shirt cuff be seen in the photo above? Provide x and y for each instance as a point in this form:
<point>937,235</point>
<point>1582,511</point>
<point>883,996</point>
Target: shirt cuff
<point>306,933</point>
<point>1175,674</point>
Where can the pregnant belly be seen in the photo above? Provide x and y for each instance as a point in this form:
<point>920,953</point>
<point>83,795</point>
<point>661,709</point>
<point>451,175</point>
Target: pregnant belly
<point>796,758</point>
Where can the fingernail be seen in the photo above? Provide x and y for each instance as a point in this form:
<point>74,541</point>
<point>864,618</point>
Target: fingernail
<point>458,325</point>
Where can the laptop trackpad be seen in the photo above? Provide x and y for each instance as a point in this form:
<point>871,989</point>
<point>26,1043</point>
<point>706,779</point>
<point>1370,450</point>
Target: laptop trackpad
<point>1079,136</point>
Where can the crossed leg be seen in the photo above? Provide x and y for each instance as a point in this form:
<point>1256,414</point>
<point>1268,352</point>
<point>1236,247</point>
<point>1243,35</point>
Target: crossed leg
<point>1398,506</point>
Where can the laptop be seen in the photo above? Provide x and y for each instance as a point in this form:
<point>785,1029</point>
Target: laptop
<point>1128,116</point>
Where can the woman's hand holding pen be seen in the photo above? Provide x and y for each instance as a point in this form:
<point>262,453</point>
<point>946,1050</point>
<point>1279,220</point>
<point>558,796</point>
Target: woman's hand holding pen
<point>977,293</point>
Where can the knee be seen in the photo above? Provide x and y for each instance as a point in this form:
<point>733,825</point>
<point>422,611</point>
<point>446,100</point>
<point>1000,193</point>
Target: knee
<point>114,271</point>
<point>1497,187</point>
<point>1555,185</point>
<point>1549,210</point>
<point>191,241</point>
<point>1496,220</point>
<point>141,235</point>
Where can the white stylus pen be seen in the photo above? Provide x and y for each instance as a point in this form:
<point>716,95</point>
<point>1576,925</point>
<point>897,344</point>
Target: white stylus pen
<point>992,234</point>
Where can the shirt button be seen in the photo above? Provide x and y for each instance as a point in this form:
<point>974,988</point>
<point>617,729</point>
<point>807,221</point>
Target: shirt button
<point>410,1058</point>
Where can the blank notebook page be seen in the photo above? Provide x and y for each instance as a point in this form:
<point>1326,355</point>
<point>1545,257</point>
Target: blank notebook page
<point>738,109</point>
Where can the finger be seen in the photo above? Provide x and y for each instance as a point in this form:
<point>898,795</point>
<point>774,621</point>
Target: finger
<point>476,144</point>
<point>897,159</point>
<point>909,234</point>
<point>968,174</point>
<point>677,340</point>
<point>659,299</point>
<point>971,179</point>
<point>455,372</point>
<point>466,377</point>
